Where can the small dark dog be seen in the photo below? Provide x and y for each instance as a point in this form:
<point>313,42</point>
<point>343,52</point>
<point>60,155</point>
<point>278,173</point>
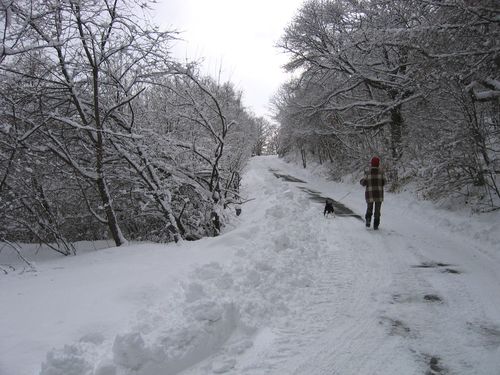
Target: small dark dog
<point>328,208</point>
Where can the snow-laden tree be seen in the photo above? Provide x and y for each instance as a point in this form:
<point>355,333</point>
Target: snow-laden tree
<point>91,60</point>
<point>350,59</point>
<point>210,137</point>
<point>413,81</point>
<point>212,112</point>
<point>179,159</point>
<point>462,76</point>
<point>264,133</point>
<point>78,151</point>
<point>102,132</point>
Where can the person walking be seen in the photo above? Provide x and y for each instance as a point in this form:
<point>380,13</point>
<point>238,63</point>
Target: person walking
<point>374,181</point>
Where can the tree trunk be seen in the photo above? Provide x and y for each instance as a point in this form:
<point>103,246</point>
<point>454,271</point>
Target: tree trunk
<point>175,226</point>
<point>102,186</point>
<point>303,154</point>
<point>113,226</point>
<point>396,133</point>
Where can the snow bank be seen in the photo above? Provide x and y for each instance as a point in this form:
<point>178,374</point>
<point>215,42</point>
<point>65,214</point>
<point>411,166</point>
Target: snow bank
<point>170,350</point>
<point>214,305</point>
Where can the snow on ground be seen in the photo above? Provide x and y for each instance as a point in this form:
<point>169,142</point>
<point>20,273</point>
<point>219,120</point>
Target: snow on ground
<point>284,291</point>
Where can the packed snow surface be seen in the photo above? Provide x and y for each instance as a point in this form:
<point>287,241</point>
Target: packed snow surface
<point>283,291</point>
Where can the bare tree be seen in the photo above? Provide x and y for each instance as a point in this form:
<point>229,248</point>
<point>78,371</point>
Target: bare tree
<point>94,59</point>
<point>415,81</point>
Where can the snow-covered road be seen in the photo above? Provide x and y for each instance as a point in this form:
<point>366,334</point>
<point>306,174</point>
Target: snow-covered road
<point>284,291</point>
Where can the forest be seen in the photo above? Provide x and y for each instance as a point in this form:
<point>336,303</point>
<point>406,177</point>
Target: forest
<point>104,134</point>
<point>414,82</point>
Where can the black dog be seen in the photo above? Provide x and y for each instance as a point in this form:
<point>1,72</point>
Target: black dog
<point>328,207</point>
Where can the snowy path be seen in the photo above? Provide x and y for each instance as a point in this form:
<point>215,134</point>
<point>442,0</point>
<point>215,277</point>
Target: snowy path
<point>367,306</point>
<point>285,292</point>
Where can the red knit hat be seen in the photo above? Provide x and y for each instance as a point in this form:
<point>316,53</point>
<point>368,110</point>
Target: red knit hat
<point>375,161</point>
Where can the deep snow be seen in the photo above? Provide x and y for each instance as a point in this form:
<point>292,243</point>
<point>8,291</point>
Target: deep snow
<point>282,291</point>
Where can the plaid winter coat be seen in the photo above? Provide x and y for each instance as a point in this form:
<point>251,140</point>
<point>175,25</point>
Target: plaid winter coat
<point>374,181</point>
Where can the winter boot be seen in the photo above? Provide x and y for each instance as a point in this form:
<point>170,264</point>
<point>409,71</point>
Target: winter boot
<point>368,221</point>
<point>376,223</point>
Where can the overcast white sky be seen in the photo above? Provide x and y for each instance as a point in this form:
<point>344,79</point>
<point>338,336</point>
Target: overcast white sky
<point>237,36</point>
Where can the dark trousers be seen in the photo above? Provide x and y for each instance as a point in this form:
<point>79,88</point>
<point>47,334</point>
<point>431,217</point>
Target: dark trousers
<point>369,213</point>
